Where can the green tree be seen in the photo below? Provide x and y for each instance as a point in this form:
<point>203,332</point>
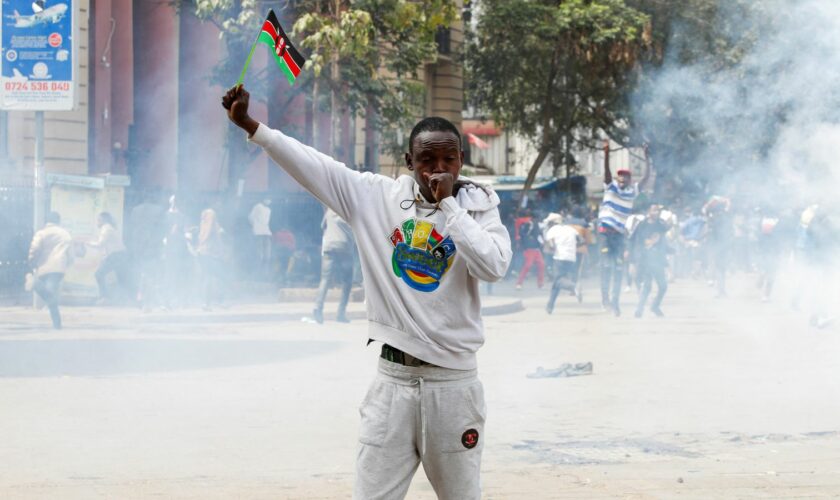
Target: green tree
<point>555,71</point>
<point>363,56</point>
<point>374,50</point>
<point>238,22</point>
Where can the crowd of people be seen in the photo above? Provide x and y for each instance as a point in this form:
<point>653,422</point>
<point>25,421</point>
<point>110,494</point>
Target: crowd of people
<point>171,261</point>
<point>170,258</point>
<point>636,246</point>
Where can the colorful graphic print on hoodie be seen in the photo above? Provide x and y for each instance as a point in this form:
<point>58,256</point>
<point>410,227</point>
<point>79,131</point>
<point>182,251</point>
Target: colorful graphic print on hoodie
<point>421,255</point>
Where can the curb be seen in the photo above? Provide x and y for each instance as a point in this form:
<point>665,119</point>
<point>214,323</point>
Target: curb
<point>501,309</point>
<point>357,294</point>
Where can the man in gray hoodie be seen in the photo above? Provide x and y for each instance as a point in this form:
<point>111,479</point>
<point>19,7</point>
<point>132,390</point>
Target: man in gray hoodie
<point>50,255</point>
<point>424,243</point>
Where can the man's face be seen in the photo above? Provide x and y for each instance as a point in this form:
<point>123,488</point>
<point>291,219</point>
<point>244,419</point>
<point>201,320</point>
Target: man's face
<point>434,153</point>
<point>623,180</point>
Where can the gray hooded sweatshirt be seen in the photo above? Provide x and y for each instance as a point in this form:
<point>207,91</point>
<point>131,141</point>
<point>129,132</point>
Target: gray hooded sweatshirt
<point>422,264</point>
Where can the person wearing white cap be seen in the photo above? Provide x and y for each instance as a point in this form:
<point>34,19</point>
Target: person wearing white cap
<point>562,240</point>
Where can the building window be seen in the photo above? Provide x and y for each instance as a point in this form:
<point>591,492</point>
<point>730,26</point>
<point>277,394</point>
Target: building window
<point>442,38</point>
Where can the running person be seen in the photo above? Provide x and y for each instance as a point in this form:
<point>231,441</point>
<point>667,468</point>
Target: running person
<point>650,249</point>
<point>563,240</point>
<point>51,255</point>
<point>531,240</point>
<point>617,205</point>
<point>425,241</point>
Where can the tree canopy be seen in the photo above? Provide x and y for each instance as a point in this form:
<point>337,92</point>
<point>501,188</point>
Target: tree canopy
<point>556,71</point>
<point>692,99</point>
<point>363,56</point>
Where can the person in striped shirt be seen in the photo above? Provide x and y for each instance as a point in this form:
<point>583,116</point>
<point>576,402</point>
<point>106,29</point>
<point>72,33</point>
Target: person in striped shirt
<point>619,195</point>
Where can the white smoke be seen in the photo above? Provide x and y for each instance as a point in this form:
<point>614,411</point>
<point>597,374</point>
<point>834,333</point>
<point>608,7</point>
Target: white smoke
<point>772,119</point>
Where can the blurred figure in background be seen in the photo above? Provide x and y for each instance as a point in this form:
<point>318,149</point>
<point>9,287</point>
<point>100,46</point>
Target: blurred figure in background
<point>562,240</point>
<point>650,248</point>
<point>768,250</point>
<point>177,260</point>
<point>579,223</point>
<point>50,255</point>
<point>817,243</point>
<point>530,241</point>
<point>804,254</point>
<point>260,219</point>
<point>145,244</point>
<point>719,239</point>
<point>337,259</point>
<point>114,259</point>
<point>672,222</point>
<point>619,196</point>
<point>692,231</point>
<point>521,216</point>
<point>284,245</point>
<point>211,254</point>
<point>631,266</point>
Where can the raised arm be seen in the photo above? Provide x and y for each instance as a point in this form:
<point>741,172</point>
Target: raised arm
<point>100,241</point>
<point>335,185</point>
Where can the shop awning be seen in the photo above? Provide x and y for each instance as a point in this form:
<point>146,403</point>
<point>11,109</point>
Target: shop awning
<point>482,128</point>
<point>515,182</point>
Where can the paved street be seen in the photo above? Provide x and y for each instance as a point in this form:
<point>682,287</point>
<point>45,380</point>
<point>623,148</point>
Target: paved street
<point>726,398</point>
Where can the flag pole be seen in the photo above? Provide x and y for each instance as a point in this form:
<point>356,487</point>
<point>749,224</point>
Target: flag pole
<point>247,62</point>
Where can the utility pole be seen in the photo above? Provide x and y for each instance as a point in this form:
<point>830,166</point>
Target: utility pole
<point>39,180</point>
<point>38,183</point>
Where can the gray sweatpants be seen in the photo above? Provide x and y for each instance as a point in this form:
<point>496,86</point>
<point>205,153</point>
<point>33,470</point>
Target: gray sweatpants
<point>413,415</point>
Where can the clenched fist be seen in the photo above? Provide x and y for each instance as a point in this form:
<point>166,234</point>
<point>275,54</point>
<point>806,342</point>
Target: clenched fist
<point>235,101</point>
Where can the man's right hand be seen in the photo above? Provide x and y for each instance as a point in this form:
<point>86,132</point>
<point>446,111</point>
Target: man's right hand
<point>235,101</point>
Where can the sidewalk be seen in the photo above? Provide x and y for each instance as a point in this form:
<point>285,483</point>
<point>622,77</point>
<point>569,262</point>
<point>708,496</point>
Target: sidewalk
<point>256,307</point>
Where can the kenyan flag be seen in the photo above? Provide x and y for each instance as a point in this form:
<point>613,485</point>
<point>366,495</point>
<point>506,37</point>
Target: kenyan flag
<point>286,55</point>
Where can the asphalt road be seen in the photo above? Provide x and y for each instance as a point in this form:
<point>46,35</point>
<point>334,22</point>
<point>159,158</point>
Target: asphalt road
<point>722,398</point>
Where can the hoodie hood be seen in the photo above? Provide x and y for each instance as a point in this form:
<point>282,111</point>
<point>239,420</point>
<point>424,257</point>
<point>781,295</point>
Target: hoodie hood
<point>476,197</point>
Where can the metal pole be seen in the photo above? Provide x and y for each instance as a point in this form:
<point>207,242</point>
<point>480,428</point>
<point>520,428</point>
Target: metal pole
<point>4,136</point>
<point>38,182</point>
<point>507,153</point>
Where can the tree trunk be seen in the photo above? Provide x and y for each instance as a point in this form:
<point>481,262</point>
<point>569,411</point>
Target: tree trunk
<point>335,118</point>
<point>315,130</point>
<point>532,172</point>
<point>568,155</point>
<point>545,144</point>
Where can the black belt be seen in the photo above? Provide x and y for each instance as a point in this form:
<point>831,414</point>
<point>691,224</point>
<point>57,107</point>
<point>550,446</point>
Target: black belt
<point>395,355</point>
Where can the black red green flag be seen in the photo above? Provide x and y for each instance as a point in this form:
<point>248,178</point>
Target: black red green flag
<point>285,54</point>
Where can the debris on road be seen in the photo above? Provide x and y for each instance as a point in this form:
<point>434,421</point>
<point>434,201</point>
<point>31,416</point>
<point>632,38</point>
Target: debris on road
<point>564,370</point>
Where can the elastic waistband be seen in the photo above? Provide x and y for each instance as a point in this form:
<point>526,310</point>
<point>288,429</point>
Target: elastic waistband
<point>405,375</point>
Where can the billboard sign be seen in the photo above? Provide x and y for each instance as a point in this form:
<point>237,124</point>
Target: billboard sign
<point>37,55</point>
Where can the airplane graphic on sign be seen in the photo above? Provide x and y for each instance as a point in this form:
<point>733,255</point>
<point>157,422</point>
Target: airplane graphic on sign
<point>52,14</point>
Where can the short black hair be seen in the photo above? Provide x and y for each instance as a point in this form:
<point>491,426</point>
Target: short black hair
<point>53,218</point>
<point>432,124</point>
